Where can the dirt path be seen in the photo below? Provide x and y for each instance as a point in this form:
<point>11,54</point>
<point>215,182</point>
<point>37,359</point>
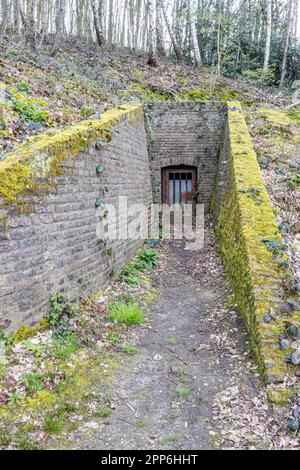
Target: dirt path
<point>192,385</point>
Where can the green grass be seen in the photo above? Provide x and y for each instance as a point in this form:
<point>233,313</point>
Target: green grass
<point>33,382</point>
<point>54,421</point>
<point>113,337</point>
<point>140,423</point>
<point>63,347</point>
<point>14,399</point>
<point>172,341</point>
<point>5,438</point>
<point>103,412</point>
<point>183,392</point>
<point>129,313</point>
<point>23,442</point>
<point>129,350</point>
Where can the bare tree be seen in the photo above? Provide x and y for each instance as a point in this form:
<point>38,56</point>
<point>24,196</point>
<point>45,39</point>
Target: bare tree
<point>177,50</point>
<point>269,35</point>
<point>195,45</point>
<point>17,17</point>
<point>59,23</point>
<point>97,25</point>
<point>152,60</point>
<point>287,41</point>
<point>159,29</point>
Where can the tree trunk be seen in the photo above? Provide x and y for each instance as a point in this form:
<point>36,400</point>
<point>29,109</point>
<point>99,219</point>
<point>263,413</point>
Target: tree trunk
<point>17,17</point>
<point>124,24</point>
<point>97,25</point>
<point>177,50</point>
<point>195,45</point>
<point>4,13</point>
<point>138,23</point>
<point>269,35</point>
<point>30,33</point>
<point>110,21</point>
<point>60,24</point>
<point>159,29</point>
<point>152,60</point>
<point>287,43</point>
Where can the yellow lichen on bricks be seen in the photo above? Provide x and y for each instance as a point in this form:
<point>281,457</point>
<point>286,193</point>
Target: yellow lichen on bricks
<point>38,159</point>
<point>245,224</point>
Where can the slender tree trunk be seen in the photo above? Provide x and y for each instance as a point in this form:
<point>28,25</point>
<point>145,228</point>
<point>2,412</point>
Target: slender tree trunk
<point>159,29</point>
<point>60,24</point>
<point>110,21</point>
<point>195,45</point>
<point>17,17</point>
<point>124,24</point>
<point>138,23</point>
<point>152,60</point>
<point>4,12</point>
<point>269,35</point>
<point>287,43</point>
<point>177,50</point>
<point>30,33</point>
<point>97,25</point>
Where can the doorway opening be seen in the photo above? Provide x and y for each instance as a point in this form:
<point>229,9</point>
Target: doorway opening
<point>179,185</point>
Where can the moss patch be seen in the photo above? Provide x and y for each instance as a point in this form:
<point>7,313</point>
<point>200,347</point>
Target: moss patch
<point>33,165</point>
<point>246,231</point>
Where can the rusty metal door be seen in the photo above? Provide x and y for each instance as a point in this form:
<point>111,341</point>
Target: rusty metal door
<point>179,186</point>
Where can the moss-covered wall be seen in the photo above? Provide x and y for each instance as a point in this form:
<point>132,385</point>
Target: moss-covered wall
<point>49,190</point>
<point>251,245</point>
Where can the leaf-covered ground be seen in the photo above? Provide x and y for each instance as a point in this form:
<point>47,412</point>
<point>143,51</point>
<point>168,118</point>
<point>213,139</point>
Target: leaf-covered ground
<point>38,91</point>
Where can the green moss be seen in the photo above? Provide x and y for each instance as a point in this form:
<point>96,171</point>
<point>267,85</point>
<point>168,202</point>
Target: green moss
<point>280,396</point>
<point>33,165</point>
<point>243,226</point>
<point>29,332</point>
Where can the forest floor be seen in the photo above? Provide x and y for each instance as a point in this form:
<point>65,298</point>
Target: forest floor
<point>192,383</point>
<point>181,377</point>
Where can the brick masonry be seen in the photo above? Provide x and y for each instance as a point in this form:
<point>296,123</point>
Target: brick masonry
<point>186,133</point>
<point>55,247</point>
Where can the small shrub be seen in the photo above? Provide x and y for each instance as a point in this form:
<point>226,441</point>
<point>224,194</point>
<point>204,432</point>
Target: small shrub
<point>146,259</point>
<point>260,76</point>
<point>103,412</point>
<point>29,111</point>
<point>130,350</point>
<point>129,313</point>
<point>60,311</point>
<point>33,381</point>
<point>24,87</point>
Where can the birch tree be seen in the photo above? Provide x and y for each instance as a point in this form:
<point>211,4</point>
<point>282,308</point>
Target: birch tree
<point>287,41</point>
<point>269,36</point>
<point>152,60</point>
<point>195,45</point>
<point>97,24</point>
<point>177,50</point>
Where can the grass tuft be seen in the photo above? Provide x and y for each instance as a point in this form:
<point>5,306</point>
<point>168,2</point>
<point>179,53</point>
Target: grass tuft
<point>129,313</point>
